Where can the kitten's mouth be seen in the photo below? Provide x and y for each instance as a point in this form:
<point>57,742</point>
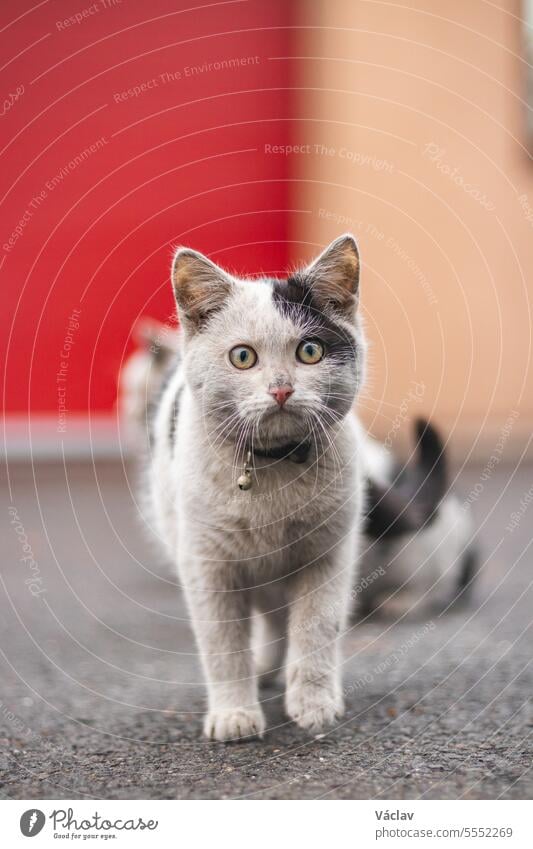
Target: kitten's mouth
<point>274,424</point>
<point>279,425</point>
<point>276,410</point>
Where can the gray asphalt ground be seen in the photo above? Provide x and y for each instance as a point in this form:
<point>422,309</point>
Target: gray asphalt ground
<point>101,694</point>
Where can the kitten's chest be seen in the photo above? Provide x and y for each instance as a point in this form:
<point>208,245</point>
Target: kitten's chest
<point>293,512</point>
<point>289,514</point>
<point>284,493</point>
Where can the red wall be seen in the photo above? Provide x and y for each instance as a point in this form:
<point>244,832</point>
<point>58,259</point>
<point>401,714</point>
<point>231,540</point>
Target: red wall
<point>182,162</point>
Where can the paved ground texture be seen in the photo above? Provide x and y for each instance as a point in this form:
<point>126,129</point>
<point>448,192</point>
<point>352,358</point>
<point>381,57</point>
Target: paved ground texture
<point>101,694</point>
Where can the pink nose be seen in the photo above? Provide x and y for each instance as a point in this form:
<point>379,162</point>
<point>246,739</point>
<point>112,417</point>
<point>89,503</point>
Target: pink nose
<point>281,393</point>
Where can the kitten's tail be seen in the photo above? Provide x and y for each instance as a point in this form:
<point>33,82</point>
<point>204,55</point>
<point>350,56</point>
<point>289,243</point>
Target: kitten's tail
<point>411,497</point>
<point>432,465</point>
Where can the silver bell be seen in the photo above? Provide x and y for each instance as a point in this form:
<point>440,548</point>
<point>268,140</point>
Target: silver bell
<point>245,481</point>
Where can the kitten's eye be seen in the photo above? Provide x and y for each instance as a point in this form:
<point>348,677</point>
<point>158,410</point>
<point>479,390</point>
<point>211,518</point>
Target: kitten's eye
<point>310,351</point>
<point>242,356</point>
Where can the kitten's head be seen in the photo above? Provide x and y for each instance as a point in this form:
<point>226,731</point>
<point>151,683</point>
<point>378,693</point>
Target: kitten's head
<point>272,359</point>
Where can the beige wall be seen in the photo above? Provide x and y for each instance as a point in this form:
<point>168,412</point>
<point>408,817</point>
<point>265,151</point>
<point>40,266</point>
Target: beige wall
<point>447,257</point>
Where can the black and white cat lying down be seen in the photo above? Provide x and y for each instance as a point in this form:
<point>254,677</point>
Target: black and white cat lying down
<point>417,535</point>
<point>417,547</point>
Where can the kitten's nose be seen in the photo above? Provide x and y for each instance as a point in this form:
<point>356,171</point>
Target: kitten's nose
<point>280,393</point>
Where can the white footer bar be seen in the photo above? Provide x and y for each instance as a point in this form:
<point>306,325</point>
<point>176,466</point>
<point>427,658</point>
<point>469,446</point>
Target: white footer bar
<point>257,824</point>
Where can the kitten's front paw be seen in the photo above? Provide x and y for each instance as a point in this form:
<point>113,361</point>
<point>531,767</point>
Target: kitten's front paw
<point>234,724</point>
<point>313,707</point>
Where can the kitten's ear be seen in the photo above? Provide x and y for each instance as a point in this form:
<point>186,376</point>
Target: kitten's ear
<point>334,276</point>
<point>200,287</point>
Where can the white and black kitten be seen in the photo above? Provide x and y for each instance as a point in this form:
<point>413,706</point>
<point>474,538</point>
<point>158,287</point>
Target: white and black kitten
<point>257,389</point>
<point>254,479</point>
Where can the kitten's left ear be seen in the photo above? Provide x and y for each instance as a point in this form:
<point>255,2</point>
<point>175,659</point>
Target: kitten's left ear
<point>334,275</point>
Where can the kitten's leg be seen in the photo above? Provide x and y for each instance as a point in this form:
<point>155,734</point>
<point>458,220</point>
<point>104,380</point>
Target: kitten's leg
<point>318,611</point>
<point>270,645</point>
<point>221,622</point>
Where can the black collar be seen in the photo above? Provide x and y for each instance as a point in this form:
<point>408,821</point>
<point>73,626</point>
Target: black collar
<point>298,452</point>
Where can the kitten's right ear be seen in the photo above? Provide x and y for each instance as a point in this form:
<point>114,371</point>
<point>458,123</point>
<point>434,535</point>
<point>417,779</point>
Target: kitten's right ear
<point>200,287</point>
<point>334,275</point>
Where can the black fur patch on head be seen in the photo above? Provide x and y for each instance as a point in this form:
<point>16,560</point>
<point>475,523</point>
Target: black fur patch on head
<point>295,299</point>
